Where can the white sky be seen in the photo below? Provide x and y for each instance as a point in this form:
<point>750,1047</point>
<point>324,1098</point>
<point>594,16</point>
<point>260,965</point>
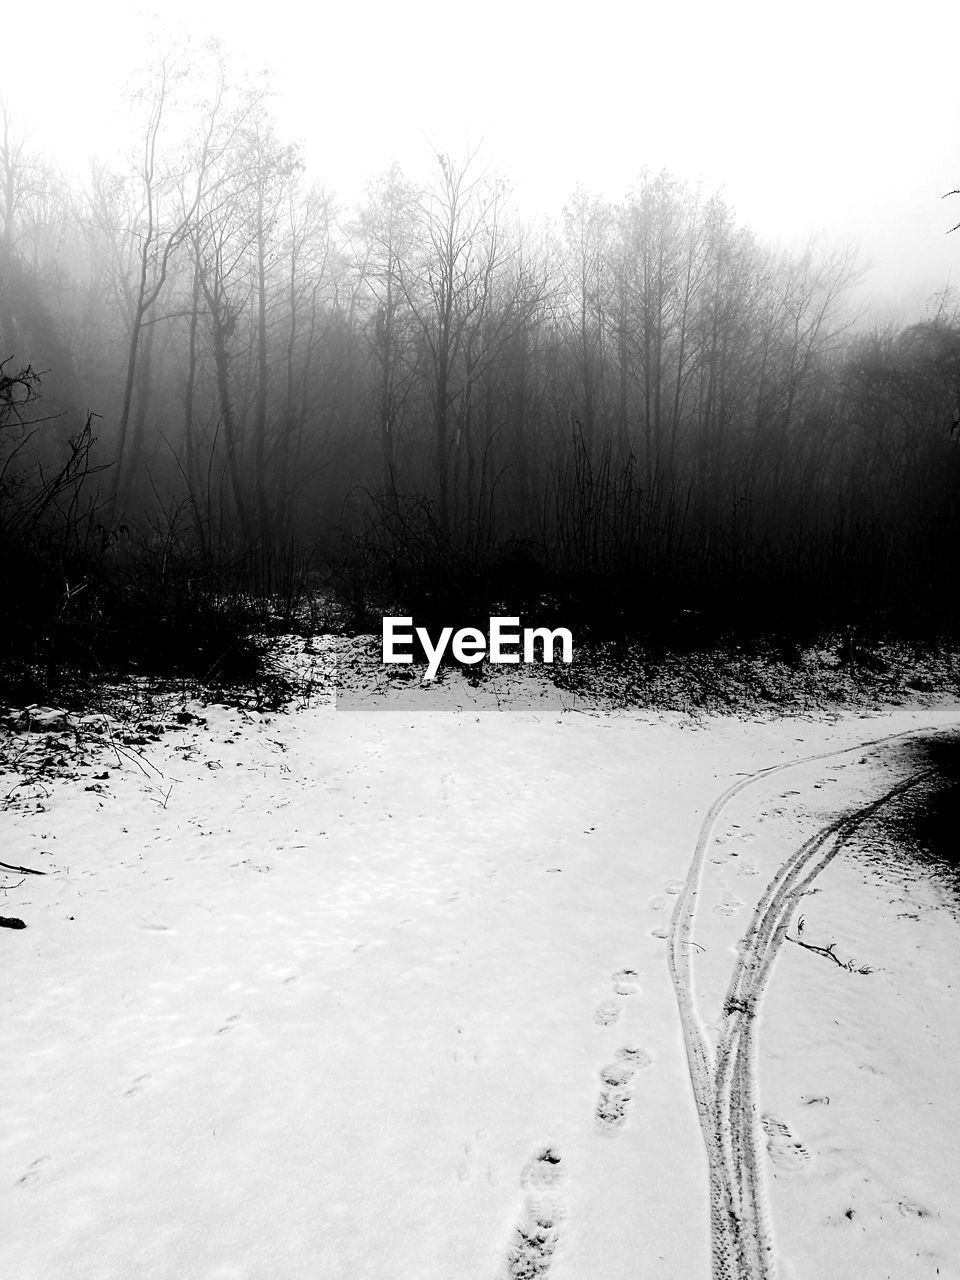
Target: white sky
<point>840,118</point>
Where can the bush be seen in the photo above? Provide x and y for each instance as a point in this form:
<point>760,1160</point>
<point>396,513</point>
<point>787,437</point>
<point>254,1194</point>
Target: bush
<point>81,601</point>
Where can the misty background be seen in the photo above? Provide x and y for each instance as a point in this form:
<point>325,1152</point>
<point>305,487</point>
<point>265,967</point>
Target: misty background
<point>647,324</point>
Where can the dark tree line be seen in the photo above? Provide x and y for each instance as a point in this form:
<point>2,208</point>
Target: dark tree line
<point>645,403</point>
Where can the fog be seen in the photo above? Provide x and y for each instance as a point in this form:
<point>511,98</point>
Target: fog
<point>828,121</point>
<point>420,314</point>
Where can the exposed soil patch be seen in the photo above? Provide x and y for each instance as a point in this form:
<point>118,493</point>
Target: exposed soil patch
<point>921,831</point>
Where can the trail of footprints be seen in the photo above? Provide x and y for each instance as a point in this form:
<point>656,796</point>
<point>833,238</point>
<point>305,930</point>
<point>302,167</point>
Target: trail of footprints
<point>616,1078</point>
<point>537,1235</point>
<point>625,983</point>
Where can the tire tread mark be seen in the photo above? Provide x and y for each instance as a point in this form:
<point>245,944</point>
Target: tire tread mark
<point>724,1091</point>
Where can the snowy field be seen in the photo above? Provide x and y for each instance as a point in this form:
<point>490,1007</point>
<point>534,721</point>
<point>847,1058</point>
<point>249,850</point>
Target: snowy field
<point>447,994</point>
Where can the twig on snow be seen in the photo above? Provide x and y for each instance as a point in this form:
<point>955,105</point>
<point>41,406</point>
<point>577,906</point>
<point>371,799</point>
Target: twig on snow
<point>850,965</point>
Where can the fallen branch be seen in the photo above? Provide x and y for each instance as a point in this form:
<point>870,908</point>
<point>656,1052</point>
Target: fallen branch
<point>829,952</point>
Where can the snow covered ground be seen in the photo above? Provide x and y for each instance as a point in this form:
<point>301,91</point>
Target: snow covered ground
<point>386,993</point>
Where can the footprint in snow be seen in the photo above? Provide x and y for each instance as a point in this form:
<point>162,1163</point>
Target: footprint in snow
<point>34,1171</point>
<point>470,1166</point>
<point>536,1235</point>
<point>784,1151</point>
<point>657,904</point>
<point>606,1013</point>
<point>911,1210</point>
<point>615,1096</point>
<point>626,982</point>
<point>635,1057</point>
<point>673,886</point>
<point>541,1178</point>
<point>659,933</point>
<point>728,908</point>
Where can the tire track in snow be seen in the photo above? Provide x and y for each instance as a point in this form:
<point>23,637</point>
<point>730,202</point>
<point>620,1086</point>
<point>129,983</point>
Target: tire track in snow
<point>735,1074</point>
<point>725,1089</point>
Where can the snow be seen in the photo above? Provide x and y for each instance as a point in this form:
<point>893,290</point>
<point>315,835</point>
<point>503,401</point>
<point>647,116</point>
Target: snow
<point>366,993</point>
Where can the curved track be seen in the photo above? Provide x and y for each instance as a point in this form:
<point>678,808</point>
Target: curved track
<point>724,1082</point>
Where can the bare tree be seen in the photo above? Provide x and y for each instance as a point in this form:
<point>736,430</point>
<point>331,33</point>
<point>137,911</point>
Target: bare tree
<point>384,242</point>
<point>167,198</point>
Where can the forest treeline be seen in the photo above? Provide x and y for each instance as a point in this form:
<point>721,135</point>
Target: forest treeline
<point>643,415</point>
